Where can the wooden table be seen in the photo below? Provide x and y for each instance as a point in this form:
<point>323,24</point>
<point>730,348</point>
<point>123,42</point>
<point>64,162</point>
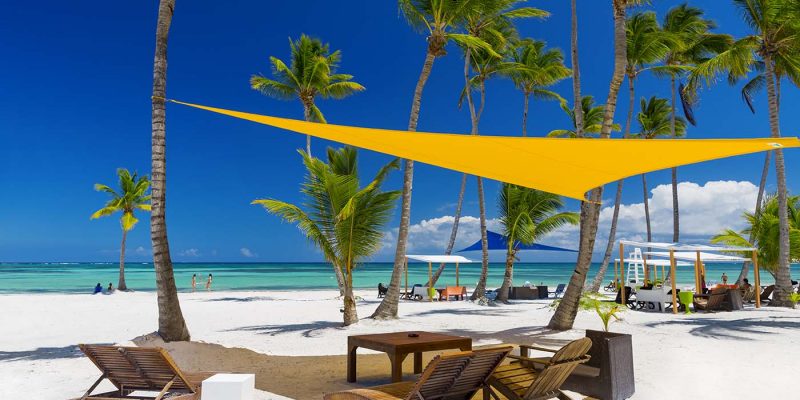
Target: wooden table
<point>398,345</point>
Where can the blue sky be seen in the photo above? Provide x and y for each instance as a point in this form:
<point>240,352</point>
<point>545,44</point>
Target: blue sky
<point>75,105</point>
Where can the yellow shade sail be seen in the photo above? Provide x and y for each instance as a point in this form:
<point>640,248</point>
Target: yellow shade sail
<point>568,167</point>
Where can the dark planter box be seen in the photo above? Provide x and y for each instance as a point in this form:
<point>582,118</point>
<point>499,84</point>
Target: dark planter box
<point>524,293</point>
<point>608,375</point>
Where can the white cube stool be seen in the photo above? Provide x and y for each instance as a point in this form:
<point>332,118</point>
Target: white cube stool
<point>229,387</point>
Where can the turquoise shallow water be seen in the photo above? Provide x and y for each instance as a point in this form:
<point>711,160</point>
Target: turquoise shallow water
<point>81,277</point>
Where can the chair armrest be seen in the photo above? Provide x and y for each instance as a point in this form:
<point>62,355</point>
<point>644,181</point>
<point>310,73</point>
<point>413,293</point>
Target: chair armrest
<point>530,360</point>
<point>530,347</point>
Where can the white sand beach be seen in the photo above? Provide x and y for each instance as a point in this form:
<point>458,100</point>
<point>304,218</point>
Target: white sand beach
<point>720,355</point>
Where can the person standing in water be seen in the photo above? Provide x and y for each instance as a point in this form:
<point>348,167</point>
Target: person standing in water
<point>194,282</point>
<point>208,282</point>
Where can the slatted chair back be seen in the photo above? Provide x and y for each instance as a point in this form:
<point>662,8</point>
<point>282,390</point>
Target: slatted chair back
<point>716,298</point>
<point>457,376</point>
<point>138,368</point>
<point>562,363</point>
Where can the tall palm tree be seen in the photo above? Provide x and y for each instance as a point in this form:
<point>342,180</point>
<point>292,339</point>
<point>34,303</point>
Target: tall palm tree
<point>311,73</point>
<point>527,215</point>
<point>344,220</point>
<point>647,44</point>
<point>132,196</point>
<point>438,19</point>
<point>564,316</point>
<point>491,18</point>
<point>542,68</point>
<point>774,43</point>
<point>763,230</point>
<point>655,121</point>
<point>171,325</point>
<point>576,69</point>
<point>592,120</point>
<point>692,44</point>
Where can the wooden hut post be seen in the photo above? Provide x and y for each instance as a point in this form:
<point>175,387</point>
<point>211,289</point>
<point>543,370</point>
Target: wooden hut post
<point>616,274</point>
<point>456,274</point>
<point>622,267</point>
<point>406,268</point>
<point>672,279</point>
<point>430,278</point>
<point>757,276</point>
<point>646,270</point>
<point>698,287</point>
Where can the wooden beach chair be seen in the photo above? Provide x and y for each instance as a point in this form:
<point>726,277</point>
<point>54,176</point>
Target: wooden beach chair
<point>454,376</point>
<point>148,369</point>
<point>523,381</point>
<point>712,302</point>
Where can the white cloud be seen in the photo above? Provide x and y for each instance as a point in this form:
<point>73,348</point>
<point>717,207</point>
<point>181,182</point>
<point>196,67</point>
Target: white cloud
<point>432,235</point>
<point>193,252</point>
<point>247,252</point>
<point>141,251</point>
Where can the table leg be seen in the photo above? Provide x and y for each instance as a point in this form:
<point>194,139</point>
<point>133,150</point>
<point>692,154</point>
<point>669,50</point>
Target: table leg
<point>397,366</point>
<point>417,362</point>
<point>351,363</point>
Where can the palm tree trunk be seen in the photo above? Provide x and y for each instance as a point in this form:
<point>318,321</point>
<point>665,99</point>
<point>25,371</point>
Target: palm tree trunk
<point>508,277</point>
<point>121,285</point>
<point>576,73</point>
<point>480,288</point>
<point>759,199</point>
<point>171,325</point>
<point>612,234</point>
<point>675,212</point>
<point>350,312</point>
<point>646,199</point>
<point>783,280</point>
<point>453,232</point>
<point>388,307</point>
<point>525,115</point>
<point>307,117</point>
<point>564,316</point>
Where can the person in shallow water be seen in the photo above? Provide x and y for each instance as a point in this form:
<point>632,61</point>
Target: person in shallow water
<point>194,282</point>
<point>208,282</point>
<point>98,288</point>
<point>110,288</point>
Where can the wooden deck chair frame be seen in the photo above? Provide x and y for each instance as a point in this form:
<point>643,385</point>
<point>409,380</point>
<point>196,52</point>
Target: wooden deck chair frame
<point>452,376</point>
<point>132,369</point>
<point>524,382</point>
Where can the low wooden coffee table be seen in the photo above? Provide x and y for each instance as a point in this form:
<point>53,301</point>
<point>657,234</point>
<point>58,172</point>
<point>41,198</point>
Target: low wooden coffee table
<point>398,345</point>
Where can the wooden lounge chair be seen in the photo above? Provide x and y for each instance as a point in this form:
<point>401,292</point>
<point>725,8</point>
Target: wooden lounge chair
<point>454,376</point>
<point>148,369</point>
<point>749,294</point>
<point>522,381</point>
<point>712,302</point>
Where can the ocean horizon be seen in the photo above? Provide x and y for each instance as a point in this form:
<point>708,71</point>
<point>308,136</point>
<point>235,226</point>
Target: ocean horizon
<point>81,277</point>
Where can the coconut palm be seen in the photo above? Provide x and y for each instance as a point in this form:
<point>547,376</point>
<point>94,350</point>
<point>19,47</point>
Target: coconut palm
<point>494,18</point>
<point>576,69</point>
<point>132,196</point>
<point>344,220</point>
<point>542,68</point>
<point>655,121</point>
<point>567,309</point>
<point>646,44</point>
<point>692,44</point>
<point>527,215</point>
<point>171,325</point>
<point>437,19</point>
<point>775,43</point>
<point>592,120</point>
<point>311,73</point>
<point>763,230</point>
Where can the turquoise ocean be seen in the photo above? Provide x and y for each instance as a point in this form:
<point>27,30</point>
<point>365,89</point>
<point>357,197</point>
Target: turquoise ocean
<point>81,277</point>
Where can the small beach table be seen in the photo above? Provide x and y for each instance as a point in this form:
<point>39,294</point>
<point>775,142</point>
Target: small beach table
<point>398,345</point>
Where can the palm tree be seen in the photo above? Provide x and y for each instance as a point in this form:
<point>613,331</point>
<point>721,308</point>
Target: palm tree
<point>344,220</point>
<point>493,18</point>
<point>436,18</point>
<point>311,73</point>
<point>763,230</point>
<point>171,325</point>
<point>542,68</point>
<point>576,69</point>
<point>527,215</point>
<point>567,309</point>
<point>646,44</point>
<point>131,197</point>
<point>692,43</point>
<point>775,44</point>
<point>655,121</point>
<point>592,120</point>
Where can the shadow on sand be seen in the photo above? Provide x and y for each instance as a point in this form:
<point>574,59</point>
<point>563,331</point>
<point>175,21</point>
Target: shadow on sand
<point>738,329</point>
<point>308,329</point>
<point>42,353</point>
